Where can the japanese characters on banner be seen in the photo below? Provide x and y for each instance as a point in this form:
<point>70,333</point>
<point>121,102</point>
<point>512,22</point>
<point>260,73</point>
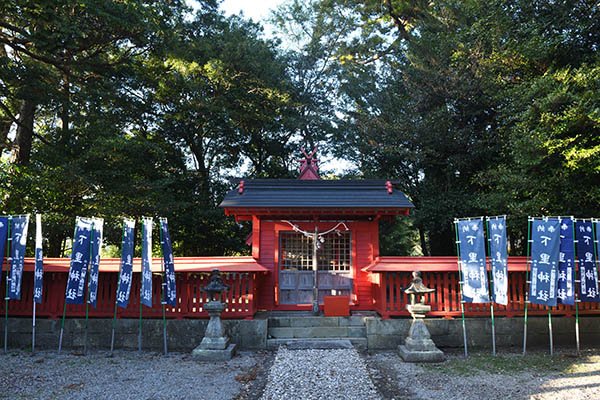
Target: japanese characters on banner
<point>170,294</point>
<point>472,261</point>
<point>566,263</point>
<point>588,274</point>
<point>545,248</point>
<point>80,257</point>
<point>146,289</point>
<point>499,256</point>
<point>18,230</point>
<point>124,285</point>
<point>95,260</point>
<point>38,273</point>
<point>3,237</point>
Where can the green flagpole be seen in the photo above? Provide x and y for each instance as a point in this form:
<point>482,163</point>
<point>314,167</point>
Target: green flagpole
<point>550,331</point>
<point>141,281</point>
<point>529,221</point>
<point>87,292</point>
<point>114,321</point>
<point>62,323</point>
<point>460,285</point>
<point>577,300</point>
<point>6,298</point>
<point>491,279</point>
<point>163,291</point>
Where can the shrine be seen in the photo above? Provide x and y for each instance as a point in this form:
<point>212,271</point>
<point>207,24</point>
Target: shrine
<point>314,253</point>
<point>299,223</point>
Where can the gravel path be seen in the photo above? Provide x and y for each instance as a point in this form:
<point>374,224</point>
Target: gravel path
<point>126,375</point>
<point>319,374</point>
<point>537,376</point>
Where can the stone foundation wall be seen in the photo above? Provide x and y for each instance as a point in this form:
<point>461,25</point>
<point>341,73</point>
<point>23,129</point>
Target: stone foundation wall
<point>447,333</point>
<point>184,335</point>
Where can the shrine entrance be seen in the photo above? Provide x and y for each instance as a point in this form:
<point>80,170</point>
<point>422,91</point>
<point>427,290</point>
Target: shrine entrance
<point>296,273</point>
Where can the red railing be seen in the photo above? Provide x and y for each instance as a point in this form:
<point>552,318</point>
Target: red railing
<point>239,299</point>
<point>390,299</point>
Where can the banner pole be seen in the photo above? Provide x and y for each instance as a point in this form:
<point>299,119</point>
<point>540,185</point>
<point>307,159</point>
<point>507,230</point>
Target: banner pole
<point>163,291</point>
<point>460,284</point>
<point>491,279</point>
<point>529,220</point>
<point>38,227</point>
<point>62,324</point>
<point>33,331</point>
<point>141,285</point>
<point>62,327</point>
<point>550,331</point>
<point>87,292</point>
<point>6,297</point>
<point>114,322</point>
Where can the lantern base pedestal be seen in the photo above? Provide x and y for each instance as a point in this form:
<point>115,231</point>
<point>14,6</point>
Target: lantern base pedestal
<point>418,346</point>
<point>203,354</point>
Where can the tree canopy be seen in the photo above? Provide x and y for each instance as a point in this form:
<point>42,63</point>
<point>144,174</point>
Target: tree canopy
<point>148,108</point>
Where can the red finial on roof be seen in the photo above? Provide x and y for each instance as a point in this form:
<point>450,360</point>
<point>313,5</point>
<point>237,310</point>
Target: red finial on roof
<point>389,187</point>
<point>308,166</point>
<point>241,187</point>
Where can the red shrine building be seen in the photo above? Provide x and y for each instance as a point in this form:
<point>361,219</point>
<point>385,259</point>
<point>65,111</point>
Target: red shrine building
<point>296,222</point>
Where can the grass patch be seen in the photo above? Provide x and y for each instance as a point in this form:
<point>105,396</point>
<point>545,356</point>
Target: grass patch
<point>508,364</point>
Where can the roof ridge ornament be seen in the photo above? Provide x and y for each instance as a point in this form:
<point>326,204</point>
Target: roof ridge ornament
<point>309,169</point>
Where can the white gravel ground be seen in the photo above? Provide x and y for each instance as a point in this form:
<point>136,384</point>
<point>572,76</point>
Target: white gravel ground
<point>298,374</point>
<point>126,375</point>
<point>509,376</point>
<point>319,374</point>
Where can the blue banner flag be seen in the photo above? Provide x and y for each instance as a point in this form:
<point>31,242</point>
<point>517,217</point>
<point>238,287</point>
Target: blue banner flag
<point>95,260</point>
<point>38,273</point>
<point>127,246</point>
<point>566,263</point>
<point>545,246</point>
<point>18,230</point>
<point>472,261</point>
<point>499,256</point>
<point>3,237</point>
<point>80,258</point>
<point>597,239</point>
<point>146,289</point>
<point>170,293</point>
<point>588,274</point>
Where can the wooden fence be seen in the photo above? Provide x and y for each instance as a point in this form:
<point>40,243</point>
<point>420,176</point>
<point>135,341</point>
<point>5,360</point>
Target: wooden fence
<point>390,299</point>
<point>240,298</point>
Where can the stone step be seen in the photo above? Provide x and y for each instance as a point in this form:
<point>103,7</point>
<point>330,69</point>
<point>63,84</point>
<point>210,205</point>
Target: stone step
<point>317,332</point>
<point>318,343</point>
<point>311,321</point>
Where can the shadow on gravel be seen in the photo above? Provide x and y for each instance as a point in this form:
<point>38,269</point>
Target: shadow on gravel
<point>536,376</point>
<point>255,379</point>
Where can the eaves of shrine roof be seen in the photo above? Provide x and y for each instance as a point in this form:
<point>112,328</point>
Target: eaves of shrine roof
<point>315,194</point>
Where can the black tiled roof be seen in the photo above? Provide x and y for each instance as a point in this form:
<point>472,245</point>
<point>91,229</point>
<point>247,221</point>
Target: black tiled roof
<point>295,193</point>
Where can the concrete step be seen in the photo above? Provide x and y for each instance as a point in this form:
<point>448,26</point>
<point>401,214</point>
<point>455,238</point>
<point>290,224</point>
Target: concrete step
<point>307,332</point>
<point>318,343</point>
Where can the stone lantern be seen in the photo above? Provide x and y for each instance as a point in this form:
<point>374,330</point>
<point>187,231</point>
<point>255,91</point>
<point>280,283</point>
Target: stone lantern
<point>215,345</point>
<point>418,346</point>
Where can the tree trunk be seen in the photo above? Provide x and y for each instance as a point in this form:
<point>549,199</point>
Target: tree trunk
<point>424,248</point>
<point>441,242</point>
<point>5,125</point>
<point>197,149</point>
<point>24,136</point>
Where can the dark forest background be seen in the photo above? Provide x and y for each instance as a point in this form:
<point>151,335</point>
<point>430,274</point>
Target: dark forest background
<point>149,108</point>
